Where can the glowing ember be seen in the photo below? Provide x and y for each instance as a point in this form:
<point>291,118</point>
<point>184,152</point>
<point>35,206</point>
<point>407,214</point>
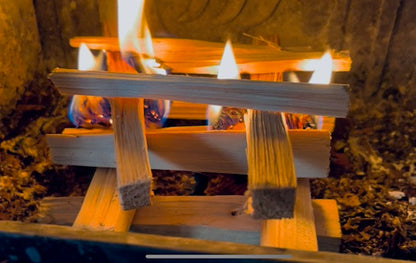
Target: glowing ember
<point>89,111</point>
<point>223,118</point>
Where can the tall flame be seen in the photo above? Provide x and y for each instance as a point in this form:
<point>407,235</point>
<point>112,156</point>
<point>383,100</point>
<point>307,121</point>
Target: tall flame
<point>135,38</point>
<point>135,41</point>
<point>219,117</point>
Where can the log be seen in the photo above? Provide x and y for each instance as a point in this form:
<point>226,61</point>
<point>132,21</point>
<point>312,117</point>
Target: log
<point>100,209</point>
<point>317,99</point>
<point>189,149</point>
<point>202,217</point>
<point>293,233</point>
<point>203,57</point>
<point>271,173</point>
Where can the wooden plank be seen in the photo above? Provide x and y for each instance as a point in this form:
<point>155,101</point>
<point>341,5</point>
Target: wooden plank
<point>293,233</point>
<point>53,243</point>
<point>189,149</point>
<point>317,99</point>
<point>101,209</point>
<point>271,172</point>
<point>187,111</point>
<point>327,224</point>
<point>203,57</point>
<point>202,217</point>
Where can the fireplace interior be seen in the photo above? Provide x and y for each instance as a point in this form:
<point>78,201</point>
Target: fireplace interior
<point>372,174</point>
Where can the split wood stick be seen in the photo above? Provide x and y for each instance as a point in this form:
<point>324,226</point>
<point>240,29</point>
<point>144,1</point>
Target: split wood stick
<point>100,209</point>
<point>133,169</point>
<point>298,232</point>
<point>202,217</point>
<point>132,162</point>
<point>271,172</point>
<point>318,99</point>
<point>203,57</point>
<point>189,149</point>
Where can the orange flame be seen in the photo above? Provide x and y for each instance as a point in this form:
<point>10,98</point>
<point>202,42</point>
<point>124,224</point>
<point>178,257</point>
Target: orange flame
<point>227,69</point>
<point>134,35</point>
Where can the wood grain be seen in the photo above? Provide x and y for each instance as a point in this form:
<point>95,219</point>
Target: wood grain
<point>298,232</point>
<point>100,209</point>
<point>132,161</point>
<point>190,149</point>
<point>202,217</point>
<point>318,99</point>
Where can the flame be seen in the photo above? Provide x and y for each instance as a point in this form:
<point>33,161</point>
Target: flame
<point>323,70</point>
<point>86,60</point>
<point>135,41</point>
<point>227,69</point>
<point>89,111</point>
<point>322,75</point>
<point>135,38</point>
<point>129,17</point>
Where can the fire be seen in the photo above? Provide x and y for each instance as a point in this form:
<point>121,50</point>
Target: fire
<point>86,60</point>
<point>135,41</point>
<point>224,117</point>
<point>135,38</point>
<point>322,75</point>
<point>89,111</point>
<point>323,70</point>
<point>228,68</point>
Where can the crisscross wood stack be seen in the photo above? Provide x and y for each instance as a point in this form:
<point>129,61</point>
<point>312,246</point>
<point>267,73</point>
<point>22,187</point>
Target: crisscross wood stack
<point>314,222</point>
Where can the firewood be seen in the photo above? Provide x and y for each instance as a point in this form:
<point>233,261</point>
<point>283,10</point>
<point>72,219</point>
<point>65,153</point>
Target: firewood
<point>100,209</point>
<point>133,169</point>
<point>132,162</point>
<point>203,57</point>
<point>190,149</point>
<point>295,233</point>
<point>318,99</point>
<point>271,172</point>
<point>202,217</point>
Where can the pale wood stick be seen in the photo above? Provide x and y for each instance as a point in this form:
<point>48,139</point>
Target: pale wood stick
<point>271,172</point>
<point>100,209</point>
<point>298,232</point>
<point>190,149</point>
<point>133,168</point>
<point>203,57</point>
<point>327,224</point>
<point>132,162</point>
<point>318,99</point>
<point>202,217</point>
